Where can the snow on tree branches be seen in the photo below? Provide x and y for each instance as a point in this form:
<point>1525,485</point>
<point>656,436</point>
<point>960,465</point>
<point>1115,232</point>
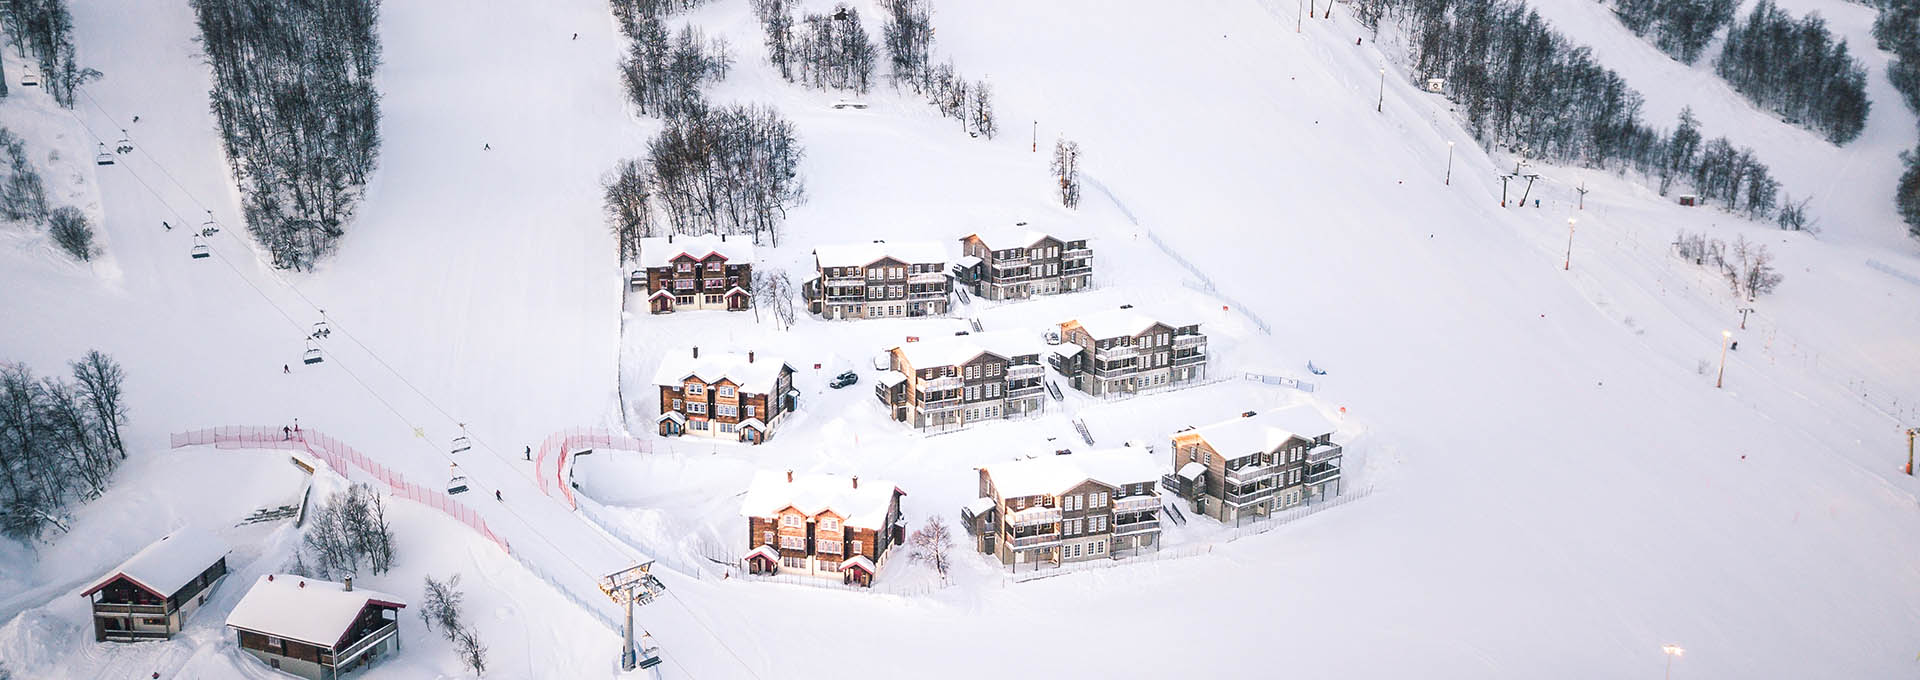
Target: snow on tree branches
<point>298,114</point>
<point>1796,69</point>
<point>44,28</point>
<point>351,532</point>
<point>1747,266</point>
<point>440,606</point>
<point>1066,171</point>
<point>933,543</point>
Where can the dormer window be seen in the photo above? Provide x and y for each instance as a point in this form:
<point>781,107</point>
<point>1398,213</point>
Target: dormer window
<point>684,267</point>
<point>829,524</point>
<point>696,388</point>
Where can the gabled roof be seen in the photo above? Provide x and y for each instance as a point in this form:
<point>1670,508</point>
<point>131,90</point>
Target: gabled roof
<point>762,550</point>
<point>1016,237</point>
<point>304,609</point>
<point>658,252</point>
<point>958,349</point>
<point>862,254</point>
<point>812,493</point>
<point>758,376</point>
<point>1264,431</point>
<point>169,564</point>
<point>1116,323</point>
<point>1054,475</point>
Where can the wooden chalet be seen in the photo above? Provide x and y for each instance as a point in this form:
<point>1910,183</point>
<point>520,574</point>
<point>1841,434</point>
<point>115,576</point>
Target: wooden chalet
<point>821,525</point>
<point>150,596</point>
<point>316,629</point>
<point>737,397</point>
<point>695,272</point>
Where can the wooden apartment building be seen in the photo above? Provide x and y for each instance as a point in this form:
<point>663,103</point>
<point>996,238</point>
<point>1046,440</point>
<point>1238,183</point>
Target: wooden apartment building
<point>878,280</point>
<point>1122,352</point>
<point>681,273</point>
<point>821,525</point>
<point>736,397</point>
<point>1015,264</point>
<point>1256,464</point>
<point>1053,509</point>
<point>952,381</point>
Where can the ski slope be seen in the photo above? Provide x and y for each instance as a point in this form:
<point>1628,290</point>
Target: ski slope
<point>1559,490</point>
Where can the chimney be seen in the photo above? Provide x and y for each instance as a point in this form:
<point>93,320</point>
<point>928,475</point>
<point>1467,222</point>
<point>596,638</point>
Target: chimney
<point>789,476</point>
<point>856,481</point>
<point>696,351</point>
<point>348,583</point>
<point>749,356</point>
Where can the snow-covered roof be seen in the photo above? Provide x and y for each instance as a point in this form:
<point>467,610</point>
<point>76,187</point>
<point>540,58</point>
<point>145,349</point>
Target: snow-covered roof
<point>169,564</point>
<point>859,561</point>
<point>1193,470</point>
<point>979,506</point>
<point>864,507</point>
<point>1116,323</point>
<point>304,609</point>
<point>862,254</point>
<point>674,416</point>
<point>658,252</point>
<point>1265,431</point>
<point>966,262</point>
<point>762,550</point>
<point>758,375</point>
<point>1016,237</point>
<point>891,378</point>
<point>958,349</point>
<point>1053,475</point>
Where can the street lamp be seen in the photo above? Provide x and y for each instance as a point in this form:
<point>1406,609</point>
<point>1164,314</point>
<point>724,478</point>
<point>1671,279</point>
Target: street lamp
<point>1911,433</point>
<point>1671,650</point>
<point>1568,266</point>
<point>1725,336</point>
<point>1449,164</point>
<point>1382,105</point>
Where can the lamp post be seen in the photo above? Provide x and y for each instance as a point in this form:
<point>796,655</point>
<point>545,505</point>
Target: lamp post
<point>1725,336</point>
<point>1382,104</point>
<point>1568,266</point>
<point>1671,650</point>
<point>1449,164</point>
<point>1911,433</point>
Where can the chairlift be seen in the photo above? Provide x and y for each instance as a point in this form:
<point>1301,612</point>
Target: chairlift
<point>103,158</point>
<point>209,227</point>
<point>458,484</point>
<point>125,145</point>
<point>320,330</point>
<point>200,250</point>
<point>461,443</point>
<point>313,354</point>
<point>649,651</point>
<point>29,79</point>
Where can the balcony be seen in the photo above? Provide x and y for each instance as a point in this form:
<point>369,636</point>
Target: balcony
<point>1130,528</point>
<point>928,278</point>
<point>1326,475</point>
<point>1025,371</point>
<point>1190,360</point>
<point>1031,516</point>
<point>353,651</point>
<point>927,295</point>
<point>1022,392</point>
<point>1073,253</point>
<point>942,406</point>
<point>1249,497</point>
<point>1141,503</point>
<point>1187,341</point>
<point>1323,453</point>
<point>1034,541</point>
<point>951,382</point>
<point>118,609</point>
<point>1252,473</point>
<point>843,281</point>
<point>136,635</point>
<point>1116,353</point>
<point>1010,260</point>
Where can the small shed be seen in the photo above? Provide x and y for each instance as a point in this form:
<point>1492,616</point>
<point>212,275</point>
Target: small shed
<point>1689,199</point>
<point>763,559</point>
<point>315,629</point>
<point>150,596</point>
<point>857,570</point>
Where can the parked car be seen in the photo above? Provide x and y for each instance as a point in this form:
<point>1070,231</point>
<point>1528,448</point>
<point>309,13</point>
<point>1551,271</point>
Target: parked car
<point>844,379</point>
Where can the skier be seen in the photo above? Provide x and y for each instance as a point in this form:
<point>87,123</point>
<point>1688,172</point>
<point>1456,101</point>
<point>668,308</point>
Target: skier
<point>576,36</point>
<point>164,224</point>
<point>529,452</point>
<point>497,497</point>
<point>136,119</point>
<point>286,433</point>
<point>1735,346</point>
<point>284,369</point>
<point>486,147</point>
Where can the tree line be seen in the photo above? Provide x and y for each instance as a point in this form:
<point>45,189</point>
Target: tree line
<point>60,441</point>
<point>907,34</point>
<point>298,113</point>
<point>1680,28</point>
<point>829,51</point>
<point>43,29</point>
<point>1522,86</point>
<point>711,170</point>
<point>1796,69</point>
<point>1897,30</point>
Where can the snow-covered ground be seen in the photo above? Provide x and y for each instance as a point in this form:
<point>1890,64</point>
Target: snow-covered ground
<point>1558,489</point>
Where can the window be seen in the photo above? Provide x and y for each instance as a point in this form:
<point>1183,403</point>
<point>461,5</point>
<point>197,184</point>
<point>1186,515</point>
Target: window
<point>697,407</point>
<point>697,424</point>
<point>712,299</point>
<point>766,538</point>
<point>684,267</point>
<point>853,548</point>
<point>789,520</point>
<point>829,524</point>
<point>726,410</point>
<point>715,266</point>
<point>749,411</point>
<point>727,427</point>
<point>714,283</point>
<point>794,562</point>
<point>793,543</point>
<point>676,404</point>
<point>696,388</point>
<point>683,284</point>
<point>832,547</point>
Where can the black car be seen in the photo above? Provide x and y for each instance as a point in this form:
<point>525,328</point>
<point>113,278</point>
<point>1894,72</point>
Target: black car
<point>844,379</point>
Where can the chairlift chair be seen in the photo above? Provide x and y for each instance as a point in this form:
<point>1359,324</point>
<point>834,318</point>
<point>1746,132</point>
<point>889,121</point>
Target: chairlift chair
<point>458,484</point>
<point>313,354</point>
<point>461,443</point>
<point>649,651</point>
<point>320,330</point>
<point>210,227</point>
<point>200,250</point>
<point>103,158</point>
<point>125,145</point>
<point>29,79</point>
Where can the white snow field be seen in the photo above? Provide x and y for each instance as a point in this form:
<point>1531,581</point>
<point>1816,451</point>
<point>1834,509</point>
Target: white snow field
<point>1556,486</point>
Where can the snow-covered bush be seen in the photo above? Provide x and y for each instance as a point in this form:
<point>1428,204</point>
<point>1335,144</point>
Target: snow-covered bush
<point>71,232</point>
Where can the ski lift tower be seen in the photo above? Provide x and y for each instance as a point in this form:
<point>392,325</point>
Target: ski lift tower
<point>633,586</point>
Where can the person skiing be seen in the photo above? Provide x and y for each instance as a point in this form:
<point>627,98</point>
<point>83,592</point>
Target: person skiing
<point>576,36</point>
<point>285,369</point>
<point>286,433</point>
<point>1735,346</point>
<point>486,147</point>
<point>164,224</point>
<point>497,497</point>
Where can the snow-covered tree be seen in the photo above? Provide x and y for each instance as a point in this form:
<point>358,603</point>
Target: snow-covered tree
<point>440,606</point>
<point>629,214</point>
<point>349,533</point>
<point>1066,171</point>
<point>71,231</point>
<point>933,543</point>
<point>473,654</point>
